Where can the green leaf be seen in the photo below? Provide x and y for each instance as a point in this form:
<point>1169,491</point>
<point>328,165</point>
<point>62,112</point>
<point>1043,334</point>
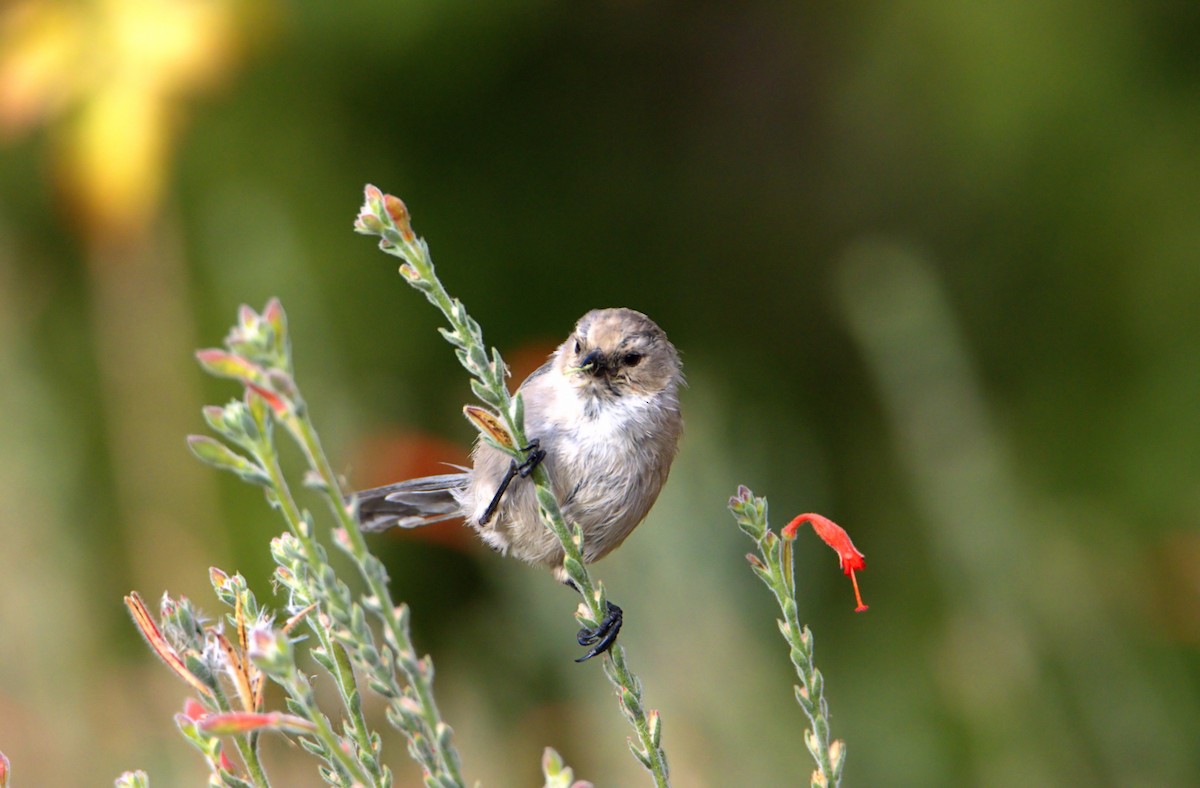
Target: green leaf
<point>224,364</point>
<point>486,394</point>
<point>498,365</point>
<point>231,780</point>
<point>517,411</point>
<point>641,755</point>
<point>452,337</point>
<point>218,455</point>
<point>546,499</point>
<point>573,567</point>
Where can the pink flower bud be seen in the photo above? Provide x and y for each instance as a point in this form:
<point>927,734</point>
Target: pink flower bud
<point>193,709</point>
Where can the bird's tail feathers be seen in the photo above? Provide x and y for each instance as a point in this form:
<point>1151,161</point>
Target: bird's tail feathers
<point>412,503</point>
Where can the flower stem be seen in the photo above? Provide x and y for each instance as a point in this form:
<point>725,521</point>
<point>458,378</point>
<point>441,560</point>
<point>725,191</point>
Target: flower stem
<point>774,566</point>
<point>395,630</point>
<point>257,354</point>
<point>298,687</point>
<point>385,216</point>
<point>247,748</point>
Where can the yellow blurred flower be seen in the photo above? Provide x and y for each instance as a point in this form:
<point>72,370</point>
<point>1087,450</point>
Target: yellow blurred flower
<point>109,77</point>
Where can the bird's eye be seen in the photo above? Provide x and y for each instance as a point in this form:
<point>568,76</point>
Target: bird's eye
<point>632,359</point>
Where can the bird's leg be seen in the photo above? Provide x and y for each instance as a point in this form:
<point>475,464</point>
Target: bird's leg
<point>601,637</point>
<point>532,459</point>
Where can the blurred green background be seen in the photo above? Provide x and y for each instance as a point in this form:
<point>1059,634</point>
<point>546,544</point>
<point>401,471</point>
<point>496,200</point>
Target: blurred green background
<point>934,269</point>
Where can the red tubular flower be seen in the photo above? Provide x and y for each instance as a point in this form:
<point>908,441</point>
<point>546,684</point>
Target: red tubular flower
<point>836,537</point>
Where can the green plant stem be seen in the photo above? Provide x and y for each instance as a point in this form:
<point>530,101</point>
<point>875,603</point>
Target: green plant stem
<point>254,766</point>
<point>245,748</point>
<point>257,353</point>
<point>301,692</point>
<point>799,638</point>
<point>776,570</point>
<point>376,578</point>
<point>351,698</point>
<point>629,689</point>
<point>655,759</point>
<point>490,373</point>
<point>345,681</point>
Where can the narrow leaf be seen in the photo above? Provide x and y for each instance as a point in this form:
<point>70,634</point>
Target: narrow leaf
<point>224,364</point>
<point>218,455</point>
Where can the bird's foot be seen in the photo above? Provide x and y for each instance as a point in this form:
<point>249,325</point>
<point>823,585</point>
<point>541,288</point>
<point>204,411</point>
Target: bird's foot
<point>532,460</point>
<point>602,637</point>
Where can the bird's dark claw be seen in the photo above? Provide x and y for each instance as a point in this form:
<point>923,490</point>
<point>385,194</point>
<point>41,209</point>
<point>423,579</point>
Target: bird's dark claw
<point>532,459</point>
<point>602,637</point>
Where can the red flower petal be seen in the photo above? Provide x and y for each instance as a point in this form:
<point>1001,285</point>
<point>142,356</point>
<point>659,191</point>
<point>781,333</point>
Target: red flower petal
<point>835,536</point>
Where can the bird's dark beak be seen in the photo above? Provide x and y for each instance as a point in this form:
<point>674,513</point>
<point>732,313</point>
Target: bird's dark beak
<point>594,363</point>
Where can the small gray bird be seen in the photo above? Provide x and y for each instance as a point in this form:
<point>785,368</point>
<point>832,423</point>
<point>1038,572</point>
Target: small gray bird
<point>603,415</point>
